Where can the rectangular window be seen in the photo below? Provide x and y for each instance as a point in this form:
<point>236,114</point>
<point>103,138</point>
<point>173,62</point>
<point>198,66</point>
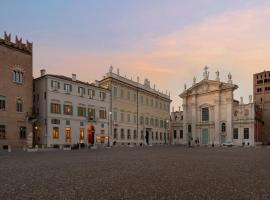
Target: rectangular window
<point>81,133</point>
<point>115,116</point>
<point>19,105</point>
<point>205,114</point>
<point>55,121</point>
<point>68,88</point>
<point>141,99</point>
<point>141,120</point>
<point>55,108</point>
<point>181,134</point>
<point>55,85</point>
<point>102,96</point>
<point>128,117</point>
<point>2,103</point>
<point>22,132</point>
<point>161,123</point>
<point>81,91</point>
<point>55,133</point>
<point>135,97</point>
<point>115,91</point>
<point>102,114</point>
<point>91,114</point>
<point>246,133</point>
<point>2,131</point>
<point>174,134</point>
<point>91,93</point>
<point>122,117</point>
<point>68,109</point>
<point>235,133</point>
<point>81,111</point>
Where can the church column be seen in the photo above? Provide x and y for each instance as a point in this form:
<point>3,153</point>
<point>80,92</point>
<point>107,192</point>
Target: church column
<point>185,130</point>
<point>194,118</point>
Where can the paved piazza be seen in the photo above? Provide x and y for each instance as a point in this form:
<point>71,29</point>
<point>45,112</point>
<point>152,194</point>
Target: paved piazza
<point>165,172</point>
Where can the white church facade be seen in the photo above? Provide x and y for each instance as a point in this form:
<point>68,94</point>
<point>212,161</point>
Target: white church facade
<point>212,117</point>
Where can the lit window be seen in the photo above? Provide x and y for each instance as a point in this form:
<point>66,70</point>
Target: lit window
<point>81,133</point>
<point>68,109</point>
<point>55,132</point>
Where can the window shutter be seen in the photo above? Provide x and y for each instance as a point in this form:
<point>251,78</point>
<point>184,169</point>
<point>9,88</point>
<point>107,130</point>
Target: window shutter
<point>51,107</point>
<point>78,111</point>
<point>71,109</point>
<point>59,108</point>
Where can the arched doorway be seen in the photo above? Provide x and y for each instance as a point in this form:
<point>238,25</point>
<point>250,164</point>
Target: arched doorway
<point>91,135</point>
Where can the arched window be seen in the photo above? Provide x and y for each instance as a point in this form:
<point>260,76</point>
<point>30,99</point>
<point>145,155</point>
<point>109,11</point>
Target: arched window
<point>19,105</point>
<point>223,127</point>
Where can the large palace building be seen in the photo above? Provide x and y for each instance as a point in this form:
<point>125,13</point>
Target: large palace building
<point>139,113</point>
<point>16,79</point>
<point>211,115</point>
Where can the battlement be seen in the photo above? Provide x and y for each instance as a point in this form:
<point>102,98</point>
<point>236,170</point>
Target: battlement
<point>18,44</point>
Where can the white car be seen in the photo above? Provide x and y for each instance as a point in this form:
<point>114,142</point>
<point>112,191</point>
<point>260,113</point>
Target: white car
<point>227,144</point>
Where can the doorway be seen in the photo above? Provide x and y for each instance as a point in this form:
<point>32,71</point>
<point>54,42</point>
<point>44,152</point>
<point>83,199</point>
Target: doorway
<point>91,135</point>
<point>205,136</point>
<point>147,137</point>
<point>68,132</point>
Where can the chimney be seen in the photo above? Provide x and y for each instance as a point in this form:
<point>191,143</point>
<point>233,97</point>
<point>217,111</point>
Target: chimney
<point>42,72</point>
<point>74,77</point>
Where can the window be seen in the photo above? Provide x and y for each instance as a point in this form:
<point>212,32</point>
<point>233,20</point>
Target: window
<point>135,134</point>
<point>147,101</point>
<point>55,108</point>
<point>223,127</point>
<point>81,123</point>
<point>115,116</point>
<point>81,133</point>
<point>235,133</point>
<point>68,122</point>
<point>122,93</point>
<point>91,93</point>
<point>102,114</point>
<point>152,102</point>
<point>181,134</point>
<point>128,135</point>
<point>128,117</point>
<point>160,136</point>
<point>141,99</point>
<point>55,121</point>
<point>55,133</point>
<point>189,128</point>
<point>81,91</point>
<point>174,134</point>
<point>2,131</point>
<point>91,114</point>
<point>161,123</point>
<point>147,121</point>
<point>17,76</point>
<point>142,135</point>
<point>156,123</point>
<point>81,111</point>
<point>152,122</point>
<point>205,114</point>
<point>115,91</point>
<point>246,133</point>
<point>19,105</point>
<point>2,103</point>
<point>156,135</point>
<point>141,120</point>
<point>115,135</point>
<point>102,96</point>
<point>22,132</point>
<point>122,117</point>
<point>55,85</point>
<point>135,119</point>
<point>68,109</point>
<point>122,134</point>
<point>68,88</point>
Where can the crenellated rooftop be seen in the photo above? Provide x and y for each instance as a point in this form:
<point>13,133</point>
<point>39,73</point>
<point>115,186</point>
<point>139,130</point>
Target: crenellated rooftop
<point>18,44</point>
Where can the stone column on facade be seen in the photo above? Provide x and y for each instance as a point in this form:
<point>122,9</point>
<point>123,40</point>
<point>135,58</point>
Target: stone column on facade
<point>185,130</point>
<point>216,120</point>
<point>194,118</point>
<point>229,117</point>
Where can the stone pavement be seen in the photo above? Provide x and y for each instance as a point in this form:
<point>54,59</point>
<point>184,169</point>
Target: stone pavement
<point>158,172</point>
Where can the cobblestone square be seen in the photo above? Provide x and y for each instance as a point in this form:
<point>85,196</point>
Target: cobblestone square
<point>159,172</point>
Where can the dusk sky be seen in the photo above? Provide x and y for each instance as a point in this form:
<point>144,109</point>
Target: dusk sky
<point>167,41</point>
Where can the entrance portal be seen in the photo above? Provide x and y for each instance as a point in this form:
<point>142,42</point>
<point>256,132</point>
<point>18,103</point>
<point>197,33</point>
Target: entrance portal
<point>222,139</point>
<point>205,136</point>
<point>147,137</point>
<point>91,135</point>
<point>67,135</point>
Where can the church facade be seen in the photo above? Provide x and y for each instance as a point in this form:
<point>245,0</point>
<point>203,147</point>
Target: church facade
<point>211,115</point>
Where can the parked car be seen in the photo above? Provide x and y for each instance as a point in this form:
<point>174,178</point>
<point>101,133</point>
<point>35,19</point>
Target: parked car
<point>227,144</point>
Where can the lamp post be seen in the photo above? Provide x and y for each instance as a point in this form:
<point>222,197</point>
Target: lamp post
<point>168,130</point>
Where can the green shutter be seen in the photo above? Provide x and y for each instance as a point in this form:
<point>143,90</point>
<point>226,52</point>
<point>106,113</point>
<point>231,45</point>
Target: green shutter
<point>51,107</point>
<point>59,108</point>
<point>71,108</point>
